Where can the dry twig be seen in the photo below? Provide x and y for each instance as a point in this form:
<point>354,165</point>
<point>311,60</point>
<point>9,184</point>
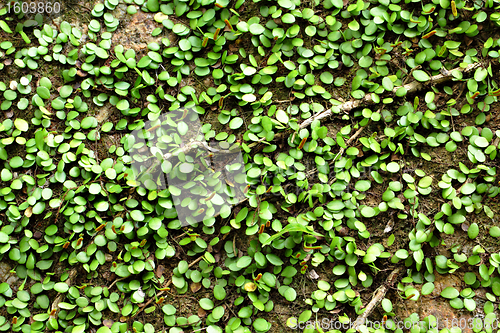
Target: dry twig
<point>410,88</point>
<point>379,294</point>
<point>54,309</point>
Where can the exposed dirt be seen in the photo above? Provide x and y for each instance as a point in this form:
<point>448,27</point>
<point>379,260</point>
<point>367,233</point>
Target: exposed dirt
<point>434,305</point>
<point>135,30</point>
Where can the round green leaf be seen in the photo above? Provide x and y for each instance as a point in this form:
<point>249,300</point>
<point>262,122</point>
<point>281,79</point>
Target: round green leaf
<point>427,288</point>
<point>206,304</point>
<point>421,76</point>
<point>450,293</point>
<point>21,124</point>
<point>473,230</point>
<point>236,123</point>
<point>256,29</point>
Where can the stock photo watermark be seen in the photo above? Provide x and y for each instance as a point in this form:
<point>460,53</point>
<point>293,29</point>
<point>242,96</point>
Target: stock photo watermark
<point>204,178</point>
<point>326,324</point>
<point>29,9</point>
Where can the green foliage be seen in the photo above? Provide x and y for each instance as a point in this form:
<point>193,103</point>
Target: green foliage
<point>407,86</point>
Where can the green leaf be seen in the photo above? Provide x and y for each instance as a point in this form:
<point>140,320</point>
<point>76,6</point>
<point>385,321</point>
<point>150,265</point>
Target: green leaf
<point>122,105</point>
<point>412,291</point>
<point>260,259</point>
<point>481,142</point>
<point>101,53</point>
<point>289,271</point>
<point>368,211</point>
<point>337,3</point>
<point>393,167</point>
<point>153,5</point>
<point>323,285</point>
<point>65,91</point>
<point>401,254</point>
<point>61,287</point>
<point>291,227</point>
<point>249,98</point>
<point>38,208</point>
<point>427,288</point>
<point>10,95</point>
<point>387,84</point>
<point>219,292</point>
<point>425,182</point>
<point>137,215</point>
<point>483,272</point>
<point>282,116</point>
<point>387,305</point>
<point>469,304</point>
<point>290,294</point>
<point>206,304</point>
<point>94,188</point>
<point>16,162</point>
<point>495,231</point>
<point>244,262</point>
<point>5,27</point>
<point>21,124</point>
<point>480,74</point>
<point>473,230</point>
<point>256,29</point>
<point>236,123</point>
<point>470,278</point>
<point>457,303</point>
<point>326,77</point>
<point>468,188</point>
<point>261,325</point>
<point>421,76</point>
<point>450,293</point>
<point>186,167</point>
<point>362,185</point>
<point>6,175</point>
